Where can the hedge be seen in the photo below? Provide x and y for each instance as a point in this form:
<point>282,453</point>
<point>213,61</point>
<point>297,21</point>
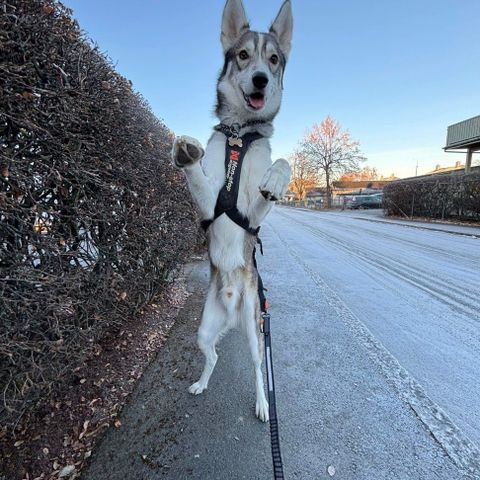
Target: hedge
<point>437,196</point>
<point>93,218</point>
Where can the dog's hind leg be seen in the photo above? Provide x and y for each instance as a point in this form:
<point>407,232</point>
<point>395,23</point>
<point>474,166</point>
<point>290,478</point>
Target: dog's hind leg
<point>212,326</point>
<point>256,350</point>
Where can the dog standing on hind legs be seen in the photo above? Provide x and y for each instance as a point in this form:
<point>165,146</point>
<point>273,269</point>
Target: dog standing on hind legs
<point>249,92</point>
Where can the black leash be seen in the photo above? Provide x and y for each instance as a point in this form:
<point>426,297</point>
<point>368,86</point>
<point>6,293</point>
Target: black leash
<point>272,403</point>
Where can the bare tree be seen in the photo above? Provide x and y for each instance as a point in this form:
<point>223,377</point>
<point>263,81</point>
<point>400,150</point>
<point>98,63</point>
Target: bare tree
<point>304,175</point>
<point>331,151</point>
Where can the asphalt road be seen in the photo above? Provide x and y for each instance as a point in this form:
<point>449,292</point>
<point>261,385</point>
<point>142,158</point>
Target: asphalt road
<point>376,340</point>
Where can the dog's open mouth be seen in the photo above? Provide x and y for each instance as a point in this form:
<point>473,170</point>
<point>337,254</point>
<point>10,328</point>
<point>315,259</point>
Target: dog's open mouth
<point>255,100</point>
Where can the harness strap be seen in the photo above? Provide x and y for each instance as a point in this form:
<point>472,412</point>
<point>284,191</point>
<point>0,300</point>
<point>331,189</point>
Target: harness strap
<point>235,216</point>
<point>234,129</point>
<point>261,288</point>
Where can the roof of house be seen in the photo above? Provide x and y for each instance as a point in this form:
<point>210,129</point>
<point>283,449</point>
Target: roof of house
<point>464,134</point>
<point>363,183</point>
<point>316,191</point>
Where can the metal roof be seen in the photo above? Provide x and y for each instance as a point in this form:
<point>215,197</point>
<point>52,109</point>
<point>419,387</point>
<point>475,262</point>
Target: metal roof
<point>464,134</point>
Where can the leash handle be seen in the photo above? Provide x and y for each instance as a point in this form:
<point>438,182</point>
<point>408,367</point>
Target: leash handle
<point>272,405</point>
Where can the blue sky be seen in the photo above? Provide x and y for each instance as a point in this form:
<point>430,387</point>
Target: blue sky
<point>394,73</point>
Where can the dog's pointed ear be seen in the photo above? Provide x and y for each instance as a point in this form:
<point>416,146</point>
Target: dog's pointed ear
<point>282,27</point>
<point>234,23</point>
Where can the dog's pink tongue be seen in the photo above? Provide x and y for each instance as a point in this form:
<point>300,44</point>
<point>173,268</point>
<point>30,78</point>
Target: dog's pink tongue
<point>257,102</point>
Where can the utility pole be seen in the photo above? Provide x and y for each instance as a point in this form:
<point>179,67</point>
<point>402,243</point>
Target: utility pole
<point>416,169</point>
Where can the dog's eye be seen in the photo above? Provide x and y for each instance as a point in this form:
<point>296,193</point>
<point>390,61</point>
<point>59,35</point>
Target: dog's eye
<point>274,59</point>
<point>243,55</point>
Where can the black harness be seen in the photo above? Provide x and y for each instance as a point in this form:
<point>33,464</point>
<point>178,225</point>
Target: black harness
<point>235,149</point>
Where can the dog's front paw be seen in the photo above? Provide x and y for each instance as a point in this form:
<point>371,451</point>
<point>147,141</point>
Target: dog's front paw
<point>186,151</point>
<point>261,409</point>
<point>275,182</point>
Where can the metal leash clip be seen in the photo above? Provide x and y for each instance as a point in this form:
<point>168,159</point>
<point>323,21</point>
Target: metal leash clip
<point>265,323</point>
<point>235,130</point>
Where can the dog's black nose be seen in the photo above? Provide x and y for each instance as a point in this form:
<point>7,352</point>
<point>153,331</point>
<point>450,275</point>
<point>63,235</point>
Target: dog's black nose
<point>260,80</point>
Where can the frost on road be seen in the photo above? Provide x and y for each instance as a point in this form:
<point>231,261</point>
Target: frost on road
<point>376,342</point>
<point>411,297</point>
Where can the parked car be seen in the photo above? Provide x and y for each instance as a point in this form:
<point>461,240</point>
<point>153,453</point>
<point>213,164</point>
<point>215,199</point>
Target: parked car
<point>367,201</point>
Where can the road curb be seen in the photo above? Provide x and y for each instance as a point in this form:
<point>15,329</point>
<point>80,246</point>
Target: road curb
<point>421,227</point>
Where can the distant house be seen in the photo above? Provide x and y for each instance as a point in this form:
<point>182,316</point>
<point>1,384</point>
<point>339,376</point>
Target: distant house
<point>438,169</point>
<point>317,194</point>
<point>361,187</point>
<point>290,196</point>
<point>343,192</point>
<point>457,169</point>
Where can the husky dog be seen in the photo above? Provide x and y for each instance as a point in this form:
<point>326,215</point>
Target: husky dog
<point>249,93</point>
